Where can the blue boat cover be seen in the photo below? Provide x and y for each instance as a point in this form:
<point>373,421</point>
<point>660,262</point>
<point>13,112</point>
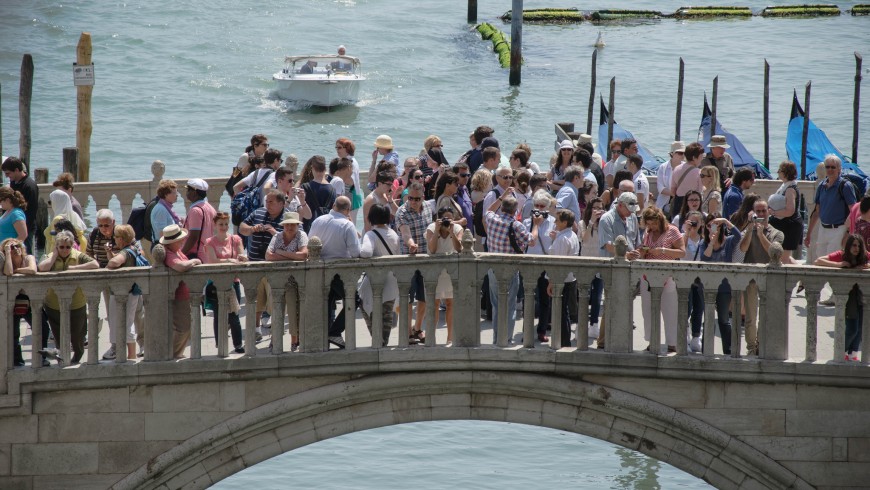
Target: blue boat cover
<point>650,161</point>
<point>818,144</point>
<point>738,152</point>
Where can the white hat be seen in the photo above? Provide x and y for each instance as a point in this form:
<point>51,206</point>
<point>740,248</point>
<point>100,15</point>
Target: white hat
<point>290,218</point>
<point>197,184</point>
<point>629,199</point>
<point>173,233</point>
<point>384,141</point>
<point>584,138</point>
<point>566,144</point>
<point>678,146</point>
<point>718,141</point>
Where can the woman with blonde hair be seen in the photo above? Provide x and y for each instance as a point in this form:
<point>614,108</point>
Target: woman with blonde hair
<point>711,195</point>
<point>127,255</point>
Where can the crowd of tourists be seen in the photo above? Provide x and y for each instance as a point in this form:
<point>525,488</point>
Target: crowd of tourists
<point>701,209</point>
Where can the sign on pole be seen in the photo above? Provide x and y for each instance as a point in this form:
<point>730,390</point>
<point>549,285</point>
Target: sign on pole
<point>83,76</point>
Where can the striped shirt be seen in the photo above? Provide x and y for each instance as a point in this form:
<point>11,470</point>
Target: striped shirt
<point>258,242</point>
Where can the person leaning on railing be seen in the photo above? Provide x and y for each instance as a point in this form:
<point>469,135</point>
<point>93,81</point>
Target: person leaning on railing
<point>16,261</point>
<point>172,240</point>
<point>64,257</point>
<point>854,255</point>
<point>223,248</point>
<point>125,255</point>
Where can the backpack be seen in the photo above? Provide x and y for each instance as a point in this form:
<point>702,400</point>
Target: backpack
<point>478,211</point>
<point>141,261</point>
<point>858,183</point>
<point>140,220</point>
<point>249,200</point>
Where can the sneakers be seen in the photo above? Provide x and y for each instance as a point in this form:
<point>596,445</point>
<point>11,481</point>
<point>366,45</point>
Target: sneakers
<point>110,354</point>
<point>239,350</point>
<point>337,341</point>
<point>594,331</point>
<point>695,344</point>
<point>294,347</point>
<point>542,338</point>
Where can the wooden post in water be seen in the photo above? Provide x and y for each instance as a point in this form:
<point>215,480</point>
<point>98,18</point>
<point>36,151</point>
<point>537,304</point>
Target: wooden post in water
<point>806,131</point>
<point>856,105</point>
<point>516,42</point>
<point>25,94</point>
<point>472,11</point>
<point>679,100</point>
<point>766,114</point>
<point>71,161</point>
<point>40,175</point>
<point>713,115</point>
<point>592,93</point>
<point>84,127</point>
<point>610,119</point>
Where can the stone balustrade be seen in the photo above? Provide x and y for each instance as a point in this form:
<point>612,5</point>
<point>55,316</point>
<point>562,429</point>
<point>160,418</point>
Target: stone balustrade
<point>300,290</point>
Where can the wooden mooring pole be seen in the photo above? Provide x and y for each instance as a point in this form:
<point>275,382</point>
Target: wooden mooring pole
<point>84,127</point>
<point>856,105</point>
<point>680,79</point>
<point>610,107</point>
<point>472,11</point>
<point>713,109</point>
<point>592,93</point>
<point>71,161</point>
<point>806,131</point>
<point>516,42</point>
<point>25,95</point>
<point>766,114</point>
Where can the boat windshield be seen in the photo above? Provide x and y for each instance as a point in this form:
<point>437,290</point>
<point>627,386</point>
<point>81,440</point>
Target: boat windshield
<point>323,65</point>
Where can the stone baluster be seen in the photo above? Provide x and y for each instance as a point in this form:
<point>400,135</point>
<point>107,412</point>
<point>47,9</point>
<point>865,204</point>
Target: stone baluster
<point>404,327</point>
<point>158,309</point>
<point>618,331</point>
<point>583,288</point>
<point>65,299</point>
<point>737,328</point>
<point>251,320</point>
<point>377,314</point>
<point>120,322</point>
<point>36,337</point>
<point>556,314</point>
<point>291,299</point>
<point>222,319</point>
<point>504,283</point>
<point>278,308</point>
<point>312,298</point>
<point>529,333</point>
<point>812,296</point>
<point>431,319</point>
<point>655,338</point>
<point>682,318</point>
<point>773,305</point>
<point>196,323</point>
<point>349,305</point>
<point>840,324</point>
<point>466,297</point>
<point>709,341</point>
<point>7,310</point>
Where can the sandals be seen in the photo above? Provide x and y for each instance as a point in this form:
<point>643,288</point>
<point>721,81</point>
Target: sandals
<point>416,337</point>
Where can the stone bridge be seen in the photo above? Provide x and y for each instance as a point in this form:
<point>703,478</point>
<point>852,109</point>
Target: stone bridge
<point>795,416</point>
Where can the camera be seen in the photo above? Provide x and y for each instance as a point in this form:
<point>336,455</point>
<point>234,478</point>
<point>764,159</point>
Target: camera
<point>445,222</point>
<point>537,214</point>
<point>759,220</point>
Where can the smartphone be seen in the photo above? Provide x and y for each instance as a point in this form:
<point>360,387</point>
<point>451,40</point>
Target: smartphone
<point>714,228</point>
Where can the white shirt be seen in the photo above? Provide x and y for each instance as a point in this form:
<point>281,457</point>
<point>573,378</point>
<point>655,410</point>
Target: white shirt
<point>566,244</point>
<point>253,178</point>
<point>338,185</point>
<point>373,247</point>
<point>445,244</point>
<point>641,186</point>
<point>663,181</point>
<point>338,235</point>
<point>544,241</point>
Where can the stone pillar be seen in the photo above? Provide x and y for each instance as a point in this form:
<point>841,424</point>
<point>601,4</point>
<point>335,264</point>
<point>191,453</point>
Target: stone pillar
<point>64,340</point>
<point>529,334</point>
<point>349,305</point>
<point>278,308</point>
<point>403,324</point>
<point>251,320</point>
<point>710,321</point>
<point>158,309</point>
<point>36,337</point>
<point>736,329</point>
<point>6,310</point>
<point>313,318</point>
<point>840,300</point>
<point>503,284</point>
<point>773,305</point>
<point>583,314</point>
<point>431,318</point>
<point>466,297</point>
<point>655,336</point>
<point>682,318</point>
<point>556,315</point>
<point>93,331</point>
<point>377,318</point>
<point>223,299</point>
<point>120,322</point>
<point>812,296</point>
<point>618,333</point>
<point>195,324</point>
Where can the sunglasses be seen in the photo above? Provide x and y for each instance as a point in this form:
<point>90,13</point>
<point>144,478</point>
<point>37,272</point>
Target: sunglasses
<point>465,175</point>
<point>692,223</point>
<point>264,144</point>
<point>417,177</point>
<point>104,226</point>
<point>506,177</point>
<point>415,198</point>
<point>831,167</point>
<point>616,151</point>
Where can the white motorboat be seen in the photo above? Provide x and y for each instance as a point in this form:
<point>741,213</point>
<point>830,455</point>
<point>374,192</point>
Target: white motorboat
<point>321,80</point>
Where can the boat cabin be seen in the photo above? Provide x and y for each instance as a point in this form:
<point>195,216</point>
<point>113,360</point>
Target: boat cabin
<point>321,65</point>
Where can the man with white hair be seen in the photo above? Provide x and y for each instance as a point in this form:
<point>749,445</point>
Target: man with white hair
<point>101,236</point>
<point>541,222</point>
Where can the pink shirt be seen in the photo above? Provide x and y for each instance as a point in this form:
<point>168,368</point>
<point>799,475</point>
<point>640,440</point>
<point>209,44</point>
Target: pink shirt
<point>691,182</point>
<point>665,240</point>
<point>173,258</point>
<point>226,250</point>
<point>200,217</point>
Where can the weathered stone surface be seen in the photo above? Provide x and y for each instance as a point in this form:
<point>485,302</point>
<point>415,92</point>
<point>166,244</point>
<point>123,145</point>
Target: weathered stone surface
<point>55,459</point>
<point>830,473</point>
<point>744,422</point>
<point>191,478</point>
<point>18,429</point>
<point>141,398</point>
<point>180,426</point>
<point>840,449</point>
<point>232,396</point>
<point>812,397</point>
<point>859,449</point>
<point>86,401</point>
<point>263,391</point>
<point>124,457</point>
<point>199,397</point>
<point>259,448</point>
<point>75,482</point>
<point>16,482</point>
<point>676,393</point>
<point>223,464</point>
<point>759,395</point>
<point>297,434</point>
<point>841,423</point>
<point>412,408</point>
<point>719,480</point>
<point>91,427</point>
<point>793,448</point>
<point>5,459</point>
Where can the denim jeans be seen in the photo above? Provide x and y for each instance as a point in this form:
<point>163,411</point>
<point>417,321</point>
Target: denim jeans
<point>595,293</point>
<point>511,304</point>
<point>696,308</point>
<point>853,332</point>
<point>723,308</point>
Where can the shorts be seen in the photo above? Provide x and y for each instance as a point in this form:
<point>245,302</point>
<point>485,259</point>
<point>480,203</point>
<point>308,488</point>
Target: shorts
<point>417,291</point>
<point>444,289</point>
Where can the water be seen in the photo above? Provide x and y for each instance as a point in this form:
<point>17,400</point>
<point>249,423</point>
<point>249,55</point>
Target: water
<point>462,454</point>
<point>189,82</point>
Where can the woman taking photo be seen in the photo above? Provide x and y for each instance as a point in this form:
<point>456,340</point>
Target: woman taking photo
<point>692,240</point>
<point>784,213</point>
<point>721,238</point>
<point>853,256</point>
<point>445,192</point>
<point>661,241</point>
<point>13,222</point>
<point>692,202</point>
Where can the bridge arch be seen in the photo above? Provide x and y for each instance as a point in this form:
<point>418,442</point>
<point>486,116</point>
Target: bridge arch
<point>370,402</point>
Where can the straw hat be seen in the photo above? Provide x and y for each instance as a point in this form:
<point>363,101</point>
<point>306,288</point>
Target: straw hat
<point>173,233</point>
<point>678,146</point>
<point>718,141</point>
<point>290,218</point>
<point>585,138</point>
<point>384,141</point>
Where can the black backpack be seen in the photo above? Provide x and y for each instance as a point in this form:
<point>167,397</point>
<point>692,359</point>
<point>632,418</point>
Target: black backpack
<point>478,211</point>
<point>140,219</point>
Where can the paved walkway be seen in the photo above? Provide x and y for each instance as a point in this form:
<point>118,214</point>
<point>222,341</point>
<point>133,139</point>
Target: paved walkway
<point>797,334</point>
